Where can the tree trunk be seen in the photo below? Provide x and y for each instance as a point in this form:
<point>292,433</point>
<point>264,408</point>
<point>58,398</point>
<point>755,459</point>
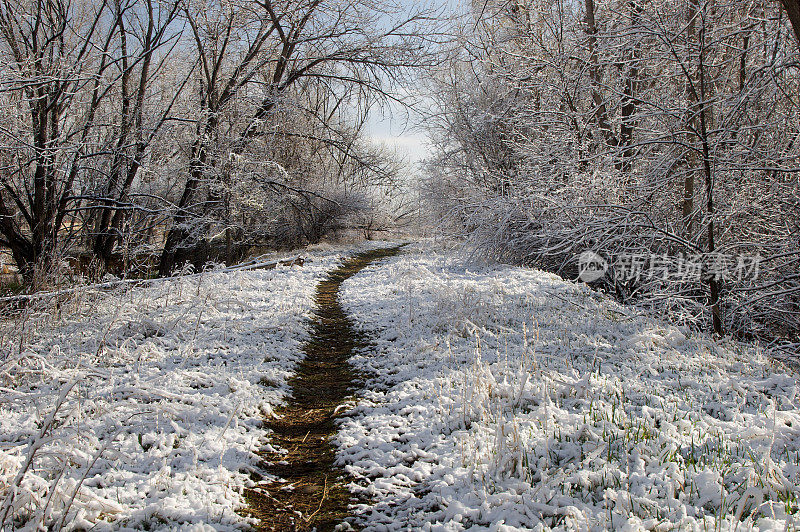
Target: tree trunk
<point>600,110</point>
<point>691,119</point>
<point>628,107</point>
<point>792,8</point>
<point>180,240</point>
<point>702,114</point>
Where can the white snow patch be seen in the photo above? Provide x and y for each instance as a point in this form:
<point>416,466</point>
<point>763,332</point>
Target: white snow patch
<point>509,399</point>
<point>142,409</point>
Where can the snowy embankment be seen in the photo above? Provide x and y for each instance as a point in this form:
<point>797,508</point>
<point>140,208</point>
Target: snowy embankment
<point>509,399</point>
<point>143,408</point>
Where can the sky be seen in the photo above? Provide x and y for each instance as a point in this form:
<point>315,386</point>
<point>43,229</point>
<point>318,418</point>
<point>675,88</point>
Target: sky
<point>394,125</point>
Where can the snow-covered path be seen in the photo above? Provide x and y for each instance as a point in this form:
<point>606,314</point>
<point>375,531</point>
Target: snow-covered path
<point>310,493</point>
<point>509,399</point>
<point>498,398</point>
<point>143,409</point>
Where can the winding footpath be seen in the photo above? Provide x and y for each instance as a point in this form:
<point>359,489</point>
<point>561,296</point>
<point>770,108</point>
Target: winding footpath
<point>312,493</point>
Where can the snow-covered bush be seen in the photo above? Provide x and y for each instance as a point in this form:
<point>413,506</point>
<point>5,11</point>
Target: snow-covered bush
<point>591,134</point>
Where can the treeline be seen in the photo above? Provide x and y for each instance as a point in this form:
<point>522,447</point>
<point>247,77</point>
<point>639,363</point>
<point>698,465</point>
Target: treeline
<point>661,136</point>
<point>187,130</point>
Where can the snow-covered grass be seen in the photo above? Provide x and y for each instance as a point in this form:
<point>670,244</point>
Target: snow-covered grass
<point>142,408</point>
<point>505,398</point>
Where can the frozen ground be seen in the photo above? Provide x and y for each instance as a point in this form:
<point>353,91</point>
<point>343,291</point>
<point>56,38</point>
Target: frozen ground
<point>510,399</point>
<point>500,399</point>
<point>141,409</point>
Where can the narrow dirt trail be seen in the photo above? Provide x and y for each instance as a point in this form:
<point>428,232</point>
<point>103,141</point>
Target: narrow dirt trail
<point>313,495</point>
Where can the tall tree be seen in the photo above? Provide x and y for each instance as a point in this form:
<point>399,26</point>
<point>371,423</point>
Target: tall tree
<point>56,77</point>
<point>331,43</point>
<point>147,25</point>
<point>646,131</point>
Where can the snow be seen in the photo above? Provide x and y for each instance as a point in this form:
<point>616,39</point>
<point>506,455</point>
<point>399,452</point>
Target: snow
<point>503,398</point>
<point>497,398</point>
<point>142,408</point>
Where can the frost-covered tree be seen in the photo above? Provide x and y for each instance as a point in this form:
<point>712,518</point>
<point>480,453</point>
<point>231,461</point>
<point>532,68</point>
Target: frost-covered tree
<point>255,58</point>
<point>122,119</point>
<point>636,128</point>
<point>75,76</point>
